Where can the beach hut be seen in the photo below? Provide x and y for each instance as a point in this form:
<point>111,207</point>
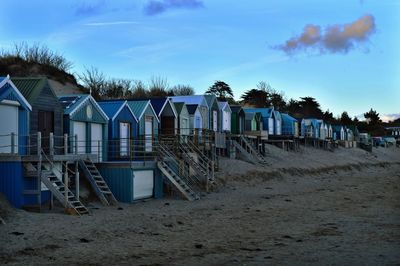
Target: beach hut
<point>87,123</point>
<point>290,125</point>
<point>195,116</point>
<point>356,132</point>
<point>253,121</point>
<point>308,128</point>
<point>195,104</point>
<point>148,122</point>
<point>338,132</point>
<point>225,114</point>
<point>311,128</point>
<point>183,119</point>
<point>214,113</point>
<point>323,130</point>
<point>237,120</point>
<point>166,114</point>
<point>349,135</point>
<point>14,117</point>
<point>47,112</point>
<point>267,117</point>
<point>122,128</point>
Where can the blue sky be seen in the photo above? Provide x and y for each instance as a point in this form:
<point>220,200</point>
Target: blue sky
<point>347,57</point>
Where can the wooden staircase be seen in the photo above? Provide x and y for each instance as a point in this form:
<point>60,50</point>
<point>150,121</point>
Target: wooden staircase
<point>56,186</point>
<point>254,152</point>
<point>62,193</point>
<point>177,181</point>
<point>172,169</point>
<point>97,182</point>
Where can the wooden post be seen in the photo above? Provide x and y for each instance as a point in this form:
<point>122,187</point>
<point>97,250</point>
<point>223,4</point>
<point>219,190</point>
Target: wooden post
<point>51,201</point>
<point>65,144</point>
<point>29,145</point>
<point>98,150</point>
<point>66,185</point>
<point>39,142</point>
<point>13,143</point>
<point>51,141</point>
<point>76,143</point>
<point>77,180</point>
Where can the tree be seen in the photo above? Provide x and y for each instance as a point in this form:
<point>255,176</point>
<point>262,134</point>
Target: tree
<point>277,101</point>
<point>372,117</point>
<point>328,116</point>
<point>221,90</point>
<point>118,88</point>
<point>158,87</point>
<point>255,97</point>
<point>182,90</point>
<point>138,90</point>
<point>345,119</point>
<point>356,120</point>
<point>293,107</point>
<point>94,81</point>
<point>309,107</point>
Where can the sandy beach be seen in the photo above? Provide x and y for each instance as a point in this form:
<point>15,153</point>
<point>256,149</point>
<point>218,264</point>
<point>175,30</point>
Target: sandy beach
<point>313,207</point>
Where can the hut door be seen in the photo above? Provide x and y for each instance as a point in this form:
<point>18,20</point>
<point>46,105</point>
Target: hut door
<point>45,126</point>
<point>184,127</point>
<point>270,126</point>
<point>8,113</point>
<point>148,133</point>
<point>167,125</point>
<point>97,140</point>
<point>124,131</point>
<point>215,121</point>
<point>80,132</point>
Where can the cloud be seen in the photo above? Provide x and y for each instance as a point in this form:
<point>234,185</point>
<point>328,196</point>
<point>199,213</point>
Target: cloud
<point>89,9</point>
<point>154,7</point>
<point>334,39</point>
<point>389,117</point>
<point>111,23</point>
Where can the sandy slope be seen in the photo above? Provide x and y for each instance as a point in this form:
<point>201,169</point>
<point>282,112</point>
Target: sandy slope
<point>316,207</point>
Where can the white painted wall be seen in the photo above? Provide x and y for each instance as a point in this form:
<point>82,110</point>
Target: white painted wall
<point>8,125</point>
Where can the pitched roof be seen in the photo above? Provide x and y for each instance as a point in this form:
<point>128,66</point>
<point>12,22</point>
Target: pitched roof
<point>189,99</point>
<point>224,105</point>
<point>139,107</point>
<point>179,107</point>
<point>6,84</point>
<point>210,99</point>
<point>265,112</point>
<point>288,118</point>
<point>191,108</point>
<point>113,108</point>
<point>72,103</point>
<point>235,108</point>
<point>30,87</point>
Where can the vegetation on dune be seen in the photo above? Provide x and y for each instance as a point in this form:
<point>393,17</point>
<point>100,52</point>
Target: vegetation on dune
<point>36,60</point>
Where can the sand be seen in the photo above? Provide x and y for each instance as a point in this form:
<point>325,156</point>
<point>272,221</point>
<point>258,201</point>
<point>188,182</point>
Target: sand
<point>313,207</point>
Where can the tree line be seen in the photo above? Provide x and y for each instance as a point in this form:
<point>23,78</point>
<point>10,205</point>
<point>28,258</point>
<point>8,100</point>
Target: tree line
<point>102,87</point>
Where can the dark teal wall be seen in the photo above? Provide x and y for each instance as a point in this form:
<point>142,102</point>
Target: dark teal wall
<point>120,180</point>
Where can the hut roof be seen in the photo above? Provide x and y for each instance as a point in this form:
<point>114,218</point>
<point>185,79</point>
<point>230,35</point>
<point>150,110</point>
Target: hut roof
<point>72,103</point>
<point>113,108</point>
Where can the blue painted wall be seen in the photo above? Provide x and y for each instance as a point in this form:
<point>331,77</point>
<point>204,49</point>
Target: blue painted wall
<point>124,116</point>
<point>11,184</point>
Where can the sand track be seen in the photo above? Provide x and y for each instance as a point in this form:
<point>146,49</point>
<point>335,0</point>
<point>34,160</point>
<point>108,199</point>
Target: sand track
<point>317,210</point>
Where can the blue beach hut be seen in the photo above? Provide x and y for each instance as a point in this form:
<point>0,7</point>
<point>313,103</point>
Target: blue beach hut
<point>122,128</point>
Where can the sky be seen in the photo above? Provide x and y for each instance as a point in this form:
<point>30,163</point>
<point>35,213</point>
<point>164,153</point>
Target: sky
<point>344,53</point>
